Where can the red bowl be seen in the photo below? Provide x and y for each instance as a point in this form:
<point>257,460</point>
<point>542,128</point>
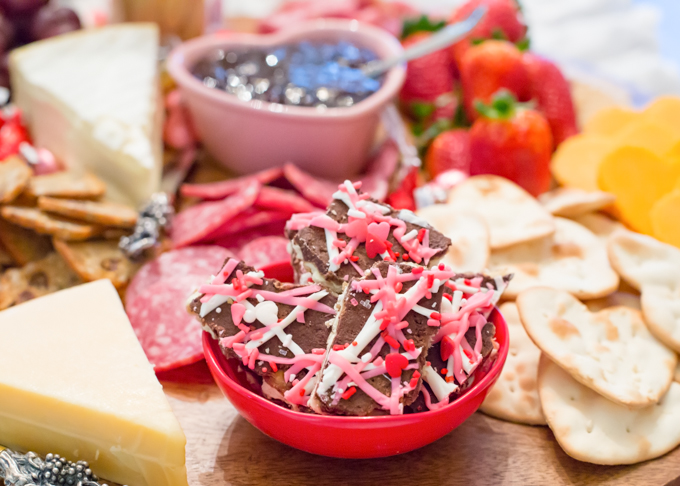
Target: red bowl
<point>351,437</point>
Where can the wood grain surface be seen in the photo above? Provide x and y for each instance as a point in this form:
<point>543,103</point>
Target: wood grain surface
<point>224,449</point>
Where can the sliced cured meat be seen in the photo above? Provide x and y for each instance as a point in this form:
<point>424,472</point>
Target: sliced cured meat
<point>169,336</point>
<point>195,262</point>
<point>238,240</point>
<point>282,200</point>
<point>222,189</point>
<point>268,250</point>
<point>197,222</point>
<point>317,191</point>
<point>248,220</point>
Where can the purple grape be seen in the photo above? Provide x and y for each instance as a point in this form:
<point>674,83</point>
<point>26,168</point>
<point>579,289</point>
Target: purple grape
<point>18,7</point>
<point>51,21</point>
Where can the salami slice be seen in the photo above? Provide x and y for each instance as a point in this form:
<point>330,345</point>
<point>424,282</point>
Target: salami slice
<point>169,335</point>
<point>317,191</point>
<point>282,200</point>
<point>265,251</point>
<point>197,222</point>
<point>247,220</point>
<point>194,262</point>
<point>238,240</point>
<point>222,189</point>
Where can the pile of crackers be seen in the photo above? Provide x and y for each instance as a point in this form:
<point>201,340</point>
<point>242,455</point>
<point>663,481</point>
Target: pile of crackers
<point>56,232</point>
<point>593,313</point>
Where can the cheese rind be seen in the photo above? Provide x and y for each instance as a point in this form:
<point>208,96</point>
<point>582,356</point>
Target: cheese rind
<point>75,381</point>
<point>92,97</point>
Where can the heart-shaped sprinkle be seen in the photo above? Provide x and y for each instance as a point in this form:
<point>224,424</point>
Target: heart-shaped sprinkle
<point>395,364</point>
<point>357,229</point>
<point>375,247</point>
<point>379,231</point>
<point>446,348</point>
<point>237,313</point>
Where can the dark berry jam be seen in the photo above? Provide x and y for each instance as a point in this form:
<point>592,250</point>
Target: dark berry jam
<point>302,74</point>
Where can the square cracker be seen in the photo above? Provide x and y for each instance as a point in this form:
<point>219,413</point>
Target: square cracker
<point>103,213</point>
<point>43,223</point>
<point>67,184</point>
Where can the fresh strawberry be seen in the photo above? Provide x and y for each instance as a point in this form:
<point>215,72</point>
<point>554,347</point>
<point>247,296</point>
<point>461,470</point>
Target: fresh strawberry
<point>550,90</point>
<point>402,197</point>
<point>488,67</point>
<point>511,141</point>
<point>502,20</point>
<point>427,77</point>
<point>449,150</point>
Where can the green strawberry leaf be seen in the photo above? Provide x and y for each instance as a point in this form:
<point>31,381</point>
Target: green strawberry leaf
<point>421,24</point>
<point>502,107</point>
<point>523,44</point>
<point>498,34</point>
<point>422,110</point>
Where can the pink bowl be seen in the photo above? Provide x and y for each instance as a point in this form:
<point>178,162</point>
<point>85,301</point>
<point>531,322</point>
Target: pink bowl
<point>351,437</point>
<point>248,136</point>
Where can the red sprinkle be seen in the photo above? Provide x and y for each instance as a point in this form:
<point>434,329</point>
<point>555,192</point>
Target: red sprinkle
<point>436,315</point>
<point>302,392</point>
<point>392,342</point>
<point>427,363</point>
<point>409,345</point>
<point>417,270</point>
<point>355,343</point>
<point>449,379</point>
<point>448,297</point>
<point>413,383</point>
<point>468,354</point>
<point>405,257</point>
<point>318,351</point>
<point>442,267</point>
<point>444,371</point>
<point>354,258</point>
<point>421,235</point>
<point>383,324</point>
<point>416,374</point>
<point>345,346</point>
<point>274,367</point>
<point>398,287</point>
<point>430,280</point>
<point>264,370</point>
<point>338,347</point>
<point>349,392</point>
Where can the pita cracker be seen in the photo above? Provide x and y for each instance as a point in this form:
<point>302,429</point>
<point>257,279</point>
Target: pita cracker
<point>592,429</point>
<point>600,225</point>
<point>617,299</point>
<point>97,259</point>
<point>610,351</point>
<point>512,215</point>
<point>653,268</point>
<point>570,202</point>
<point>469,250</point>
<point>14,177</point>
<point>573,259</point>
<point>514,396</point>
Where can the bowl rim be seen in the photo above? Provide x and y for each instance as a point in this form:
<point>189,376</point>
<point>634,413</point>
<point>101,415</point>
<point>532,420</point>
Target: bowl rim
<point>210,346</point>
<point>188,52</point>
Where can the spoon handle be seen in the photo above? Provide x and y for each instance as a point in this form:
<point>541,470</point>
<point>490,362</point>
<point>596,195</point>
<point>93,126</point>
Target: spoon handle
<point>444,38</point>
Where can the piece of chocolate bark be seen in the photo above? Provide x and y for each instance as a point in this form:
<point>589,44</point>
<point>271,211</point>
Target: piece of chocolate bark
<point>278,330</point>
<point>356,232</point>
<point>465,339</point>
<point>380,338</point>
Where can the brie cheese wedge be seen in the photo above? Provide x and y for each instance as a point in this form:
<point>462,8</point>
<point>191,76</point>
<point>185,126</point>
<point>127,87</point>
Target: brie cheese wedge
<point>74,381</point>
<point>92,97</point>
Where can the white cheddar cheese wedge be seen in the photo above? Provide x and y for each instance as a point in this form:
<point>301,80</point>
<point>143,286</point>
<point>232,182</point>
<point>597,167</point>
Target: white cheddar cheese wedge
<point>92,97</point>
<point>74,381</point>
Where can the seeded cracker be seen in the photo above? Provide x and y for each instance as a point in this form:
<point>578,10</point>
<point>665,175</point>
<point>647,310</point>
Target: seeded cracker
<point>36,279</point>
<point>94,260</point>
<point>14,177</point>
<point>22,244</point>
<point>44,224</point>
<point>66,184</point>
<point>102,213</point>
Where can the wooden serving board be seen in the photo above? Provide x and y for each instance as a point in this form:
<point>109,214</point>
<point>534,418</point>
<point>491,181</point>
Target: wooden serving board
<point>224,449</point>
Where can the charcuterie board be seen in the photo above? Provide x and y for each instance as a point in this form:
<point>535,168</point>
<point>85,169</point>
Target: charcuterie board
<point>223,449</point>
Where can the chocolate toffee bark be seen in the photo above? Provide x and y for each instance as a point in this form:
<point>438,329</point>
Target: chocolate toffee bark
<point>356,232</point>
<point>465,339</point>
<point>384,327</point>
<point>280,331</point>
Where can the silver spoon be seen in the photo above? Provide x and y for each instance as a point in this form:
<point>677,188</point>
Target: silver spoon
<point>443,38</point>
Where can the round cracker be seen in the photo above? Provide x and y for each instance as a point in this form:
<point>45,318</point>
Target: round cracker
<point>592,429</point>
<point>469,250</point>
<point>514,396</point>
<point>617,299</point>
<point>512,215</point>
<point>653,268</point>
<point>610,351</point>
<point>600,225</point>
<point>571,202</point>
<point>573,259</point>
